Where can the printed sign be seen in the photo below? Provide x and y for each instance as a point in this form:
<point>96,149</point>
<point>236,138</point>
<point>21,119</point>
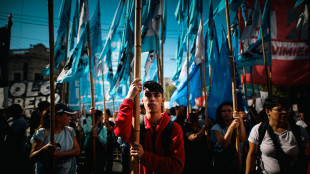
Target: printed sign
<point>29,93</point>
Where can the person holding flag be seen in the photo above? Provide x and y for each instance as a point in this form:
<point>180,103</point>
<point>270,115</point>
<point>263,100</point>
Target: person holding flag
<point>65,149</point>
<point>156,152</point>
<point>227,121</point>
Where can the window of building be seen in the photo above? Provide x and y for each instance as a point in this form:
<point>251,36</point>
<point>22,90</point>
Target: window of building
<point>17,76</point>
<point>25,71</point>
<point>38,76</point>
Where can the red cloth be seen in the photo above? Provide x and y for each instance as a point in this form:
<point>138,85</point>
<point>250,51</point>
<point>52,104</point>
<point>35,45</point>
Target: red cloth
<point>153,162</point>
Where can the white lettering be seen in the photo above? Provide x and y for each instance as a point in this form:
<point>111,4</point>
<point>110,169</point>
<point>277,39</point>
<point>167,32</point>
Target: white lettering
<point>29,102</point>
<point>17,89</point>
<point>45,88</point>
<point>29,90</point>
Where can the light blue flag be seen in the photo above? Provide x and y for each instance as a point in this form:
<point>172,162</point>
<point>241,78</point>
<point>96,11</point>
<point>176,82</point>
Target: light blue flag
<point>211,25</point>
<point>213,53</point>
<point>183,72</point>
<point>150,25</point>
<point>119,14</point>
<point>74,26</point>
<point>194,13</point>
<point>179,57</point>
<point>74,91</point>
<point>181,11</point>
<point>95,37</point>
<point>62,32</point>
<point>119,72</point>
<point>78,63</point>
<point>221,90</point>
<point>179,96</point>
<point>252,53</point>
<point>151,69</point>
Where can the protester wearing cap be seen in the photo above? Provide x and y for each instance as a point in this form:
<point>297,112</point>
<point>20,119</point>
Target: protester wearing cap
<point>64,150</point>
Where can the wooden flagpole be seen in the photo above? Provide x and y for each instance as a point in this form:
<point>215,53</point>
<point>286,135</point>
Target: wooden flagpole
<point>252,81</point>
<point>52,84</point>
<point>92,94</point>
<point>158,60</point>
<point>163,28</point>
<point>245,87</point>
<point>265,62</point>
<point>234,94</point>
<point>130,55</point>
<point>80,100</point>
<point>204,78</point>
<point>137,74</point>
<point>187,60</point>
<point>64,84</point>
<point>162,50</point>
<point>103,94</point>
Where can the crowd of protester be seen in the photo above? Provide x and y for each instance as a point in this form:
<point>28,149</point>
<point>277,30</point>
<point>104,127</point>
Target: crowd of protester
<point>274,140</point>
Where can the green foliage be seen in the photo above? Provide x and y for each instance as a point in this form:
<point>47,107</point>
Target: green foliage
<point>169,91</point>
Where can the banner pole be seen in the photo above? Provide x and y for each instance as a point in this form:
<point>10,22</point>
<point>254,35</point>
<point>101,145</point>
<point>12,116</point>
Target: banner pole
<point>137,74</point>
<point>92,94</point>
<point>265,63</point>
<point>51,75</point>
<point>187,61</point>
<point>234,95</point>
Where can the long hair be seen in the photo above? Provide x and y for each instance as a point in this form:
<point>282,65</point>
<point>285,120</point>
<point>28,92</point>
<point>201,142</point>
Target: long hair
<point>98,113</point>
<point>219,118</point>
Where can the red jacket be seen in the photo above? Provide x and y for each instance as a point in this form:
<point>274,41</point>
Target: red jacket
<point>153,162</point>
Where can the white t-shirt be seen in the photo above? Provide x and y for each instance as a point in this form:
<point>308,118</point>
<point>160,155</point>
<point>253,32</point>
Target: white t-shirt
<point>269,162</point>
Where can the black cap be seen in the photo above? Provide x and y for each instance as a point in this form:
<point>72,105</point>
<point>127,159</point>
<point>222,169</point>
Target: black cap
<point>62,108</point>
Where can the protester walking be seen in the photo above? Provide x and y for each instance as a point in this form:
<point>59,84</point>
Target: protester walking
<point>65,149</point>
<point>100,135</point>
<point>16,139</point>
<point>157,152</point>
<point>277,145</point>
<point>225,156</point>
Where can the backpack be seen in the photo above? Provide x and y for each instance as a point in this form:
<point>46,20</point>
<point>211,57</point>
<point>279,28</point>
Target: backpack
<point>283,159</point>
<point>166,135</point>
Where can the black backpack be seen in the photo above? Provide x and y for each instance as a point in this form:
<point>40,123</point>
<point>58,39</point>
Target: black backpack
<point>166,135</point>
<point>283,159</point>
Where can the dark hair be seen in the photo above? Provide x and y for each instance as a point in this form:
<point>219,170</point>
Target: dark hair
<point>192,116</point>
<point>153,86</point>
<point>181,115</point>
<point>43,104</point>
<point>98,113</point>
<point>142,105</point>
<point>273,101</point>
<point>219,118</point>
<point>172,111</point>
<point>108,112</point>
<point>14,111</point>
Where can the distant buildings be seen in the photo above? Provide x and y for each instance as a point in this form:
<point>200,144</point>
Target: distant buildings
<point>27,64</point>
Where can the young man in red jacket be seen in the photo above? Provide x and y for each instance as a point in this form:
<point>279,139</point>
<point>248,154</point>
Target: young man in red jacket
<point>151,152</point>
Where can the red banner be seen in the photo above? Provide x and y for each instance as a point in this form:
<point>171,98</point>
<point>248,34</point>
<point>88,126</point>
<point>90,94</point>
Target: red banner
<point>290,50</point>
